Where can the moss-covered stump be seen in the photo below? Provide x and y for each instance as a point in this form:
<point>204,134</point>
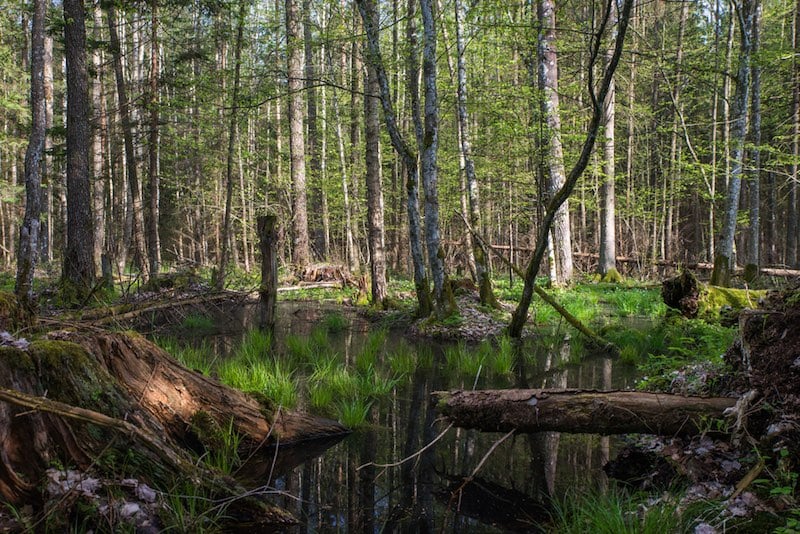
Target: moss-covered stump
<point>693,299</point>
<point>148,411</point>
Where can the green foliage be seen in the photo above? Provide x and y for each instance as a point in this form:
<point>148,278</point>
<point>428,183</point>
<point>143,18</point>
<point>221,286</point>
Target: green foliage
<point>200,358</point>
<point>614,512</point>
<point>187,508</point>
<point>335,322</point>
<point>353,413</point>
<point>198,323</point>
<point>402,360</point>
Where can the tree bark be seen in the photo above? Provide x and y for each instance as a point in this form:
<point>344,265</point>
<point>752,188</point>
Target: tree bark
<point>520,314</point>
<point>301,255</point>
<point>31,224</point>
<point>580,411</point>
<point>607,267</point>
<point>428,156</point>
<point>548,84</point>
<point>154,241</point>
<point>754,183</point>
<point>375,221</point>
<point>135,187</point>
<point>99,137</point>
<point>724,261</point>
<point>409,157</point>
<point>268,290</point>
<point>227,238</point>
<point>482,271</point>
<point>78,269</point>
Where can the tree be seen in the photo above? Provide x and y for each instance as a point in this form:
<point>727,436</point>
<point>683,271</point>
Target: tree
<point>153,240</point>
<point>300,251</point>
<point>607,264</point>
<point>754,229</point>
<point>29,233</point>
<point>79,272</point>
<point>548,84</point>
<point>408,156</point>
<point>226,227</point>
<point>482,270</point>
<point>376,238</point>
<point>598,98</point>
<point>723,262</point>
<point>134,186</point>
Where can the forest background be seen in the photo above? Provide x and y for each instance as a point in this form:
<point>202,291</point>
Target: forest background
<point>203,114</point>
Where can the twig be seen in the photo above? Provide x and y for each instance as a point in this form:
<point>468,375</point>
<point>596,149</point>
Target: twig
<point>404,460</point>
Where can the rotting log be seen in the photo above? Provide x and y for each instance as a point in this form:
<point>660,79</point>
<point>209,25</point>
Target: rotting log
<point>118,405</point>
<point>580,411</point>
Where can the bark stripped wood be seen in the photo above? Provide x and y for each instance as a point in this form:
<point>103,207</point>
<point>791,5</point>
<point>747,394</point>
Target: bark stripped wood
<point>580,411</point>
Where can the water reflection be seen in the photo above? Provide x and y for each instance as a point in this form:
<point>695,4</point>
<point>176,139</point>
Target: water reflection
<point>363,485</point>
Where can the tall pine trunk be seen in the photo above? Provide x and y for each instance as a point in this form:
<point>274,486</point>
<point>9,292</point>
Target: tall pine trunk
<point>153,239</point>
<point>78,272</point>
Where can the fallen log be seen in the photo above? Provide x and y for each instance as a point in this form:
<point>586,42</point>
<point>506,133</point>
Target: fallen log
<point>580,411</point>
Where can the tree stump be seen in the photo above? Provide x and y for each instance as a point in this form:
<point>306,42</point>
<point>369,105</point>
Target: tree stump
<point>268,290</point>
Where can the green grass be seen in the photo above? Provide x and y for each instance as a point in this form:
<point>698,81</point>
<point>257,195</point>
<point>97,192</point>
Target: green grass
<point>613,512</point>
<point>335,322</point>
<point>186,508</point>
<point>402,360</point>
<point>200,359</point>
<point>195,322</point>
<point>269,377</point>
<point>353,413</point>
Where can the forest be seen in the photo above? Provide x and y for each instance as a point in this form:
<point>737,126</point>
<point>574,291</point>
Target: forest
<point>408,200</point>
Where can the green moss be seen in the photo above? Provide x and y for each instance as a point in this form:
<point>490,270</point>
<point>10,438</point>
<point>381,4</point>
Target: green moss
<point>714,298</point>
<point>11,315</point>
<point>15,359</point>
<point>612,276</point>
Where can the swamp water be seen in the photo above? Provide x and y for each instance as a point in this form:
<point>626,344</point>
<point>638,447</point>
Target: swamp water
<point>385,477</point>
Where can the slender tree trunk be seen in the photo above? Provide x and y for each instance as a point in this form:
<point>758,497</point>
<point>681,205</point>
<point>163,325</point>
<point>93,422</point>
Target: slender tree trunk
<point>724,262</point>
<point>548,84</point>
<point>300,252</point>
<point>154,241</point>
<point>99,134</point>
<point>78,270</point>
<point>754,230</point>
<point>607,265</point>
<point>232,129</point>
<point>408,156</point>
<point>372,132</point>
<point>313,140</point>
<point>482,271</point>
<point>29,233</point>
<point>520,314</point>
<point>130,152</point>
<point>428,156</point>
<point>792,217</point>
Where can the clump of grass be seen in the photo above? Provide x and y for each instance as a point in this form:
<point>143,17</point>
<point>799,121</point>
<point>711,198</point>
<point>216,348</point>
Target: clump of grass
<point>402,360</point>
<point>225,455</point>
<point>187,508</point>
<point>373,386</point>
<point>371,349</point>
<point>269,378</point>
<point>425,357</point>
<point>255,346</point>
<point>197,323</point>
<point>353,413</point>
<point>320,396</point>
<point>299,348</point>
<point>335,322</point>
<point>503,361</point>
<point>614,512</point>
<point>200,359</point>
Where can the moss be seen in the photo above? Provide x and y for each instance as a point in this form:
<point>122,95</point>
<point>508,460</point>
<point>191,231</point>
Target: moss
<point>612,276</point>
<point>15,359</point>
<point>714,299</point>
<point>268,407</point>
<point>11,314</point>
<point>207,430</point>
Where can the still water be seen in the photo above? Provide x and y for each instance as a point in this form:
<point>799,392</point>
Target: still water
<point>388,477</point>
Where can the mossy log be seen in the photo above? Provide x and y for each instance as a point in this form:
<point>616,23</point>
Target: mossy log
<point>117,404</point>
<point>580,411</point>
<point>693,299</point>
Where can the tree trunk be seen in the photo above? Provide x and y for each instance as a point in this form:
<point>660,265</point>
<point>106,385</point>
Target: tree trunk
<point>154,241</point>
<point>792,217</point>
<point>376,238</point>
<point>754,230</point>
<point>548,84</point>
<point>29,233</point>
<point>607,266</point>
<point>268,290</point>
<point>428,156</point>
<point>301,255</point>
<point>227,238</point>
<point>98,378</point>
<point>482,271</point>
<point>313,139</point>
<point>140,254</point>
<point>78,271</point>
<point>724,261</point>
<point>520,314</point>
<point>424,304</point>
<point>580,411</point>
<point>99,136</point>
